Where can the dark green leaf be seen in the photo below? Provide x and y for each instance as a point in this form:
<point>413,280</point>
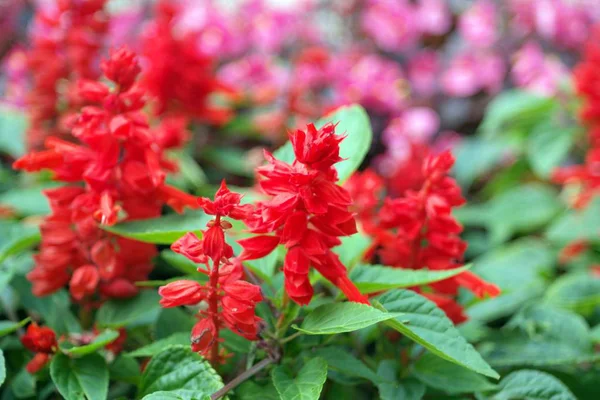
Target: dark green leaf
<point>179,338</point>
<point>23,385</point>
<point>229,159</point>
<point>330,319</point>
<point>118,313</point>
<point>265,267</point>
<point>162,230</point>
<point>126,369</point>
<point>178,368</point>
<point>252,391</point>
<point>532,385</point>
<point>407,389</point>
<point>353,122</point>
<point>79,378</point>
<point>171,321</point>
<point>422,321</point>
<point>99,342</point>
<point>446,376</point>
<point>2,368</point>
<point>340,360</point>
<point>376,278</point>
<point>180,262</point>
<point>306,386</point>
<point>17,237</point>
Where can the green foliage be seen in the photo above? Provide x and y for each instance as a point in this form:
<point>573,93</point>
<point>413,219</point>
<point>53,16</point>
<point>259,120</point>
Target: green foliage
<point>532,385</point>
<point>392,389</point>
<point>80,378</point>
<point>179,338</point>
<point>329,319</point>
<point>376,278</point>
<point>143,308</point>
<point>13,123</point>
<point>2,368</point>
<point>306,386</point>
<point>20,238</point>
<point>340,360</point>
<point>577,225</point>
<point>353,122</point>
<point>427,325</point>
<point>162,230</point>
<point>99,342</point>
<point>179,371</point>
<point>577,292</point>
<point>7,327</point>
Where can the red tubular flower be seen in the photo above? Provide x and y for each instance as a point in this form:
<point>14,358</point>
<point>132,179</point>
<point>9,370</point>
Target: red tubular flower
<point>307,213</point>
<point>37,362</point>
<point>418,231</point>
<point>39,339</point>
<point>121,163</point>
<point>231,301</point>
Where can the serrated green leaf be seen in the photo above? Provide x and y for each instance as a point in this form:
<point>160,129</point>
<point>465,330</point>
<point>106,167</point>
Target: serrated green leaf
<point>340,360</point>
<point>162,230</point>
<point>353,121</point>
<point>532,385</point>
<point>99,342</point>
<point>330,319</point>
<point>79,378</point>
<point>179,338</point>
<point>577,225</point>
<point>7,327</point>
<point>376,278</point>
<point>447,377</point>
<point>306,386</point>
<point>579,292</point>
<point>178,368</point>
<point>118,313</point>
<point>422,321</point>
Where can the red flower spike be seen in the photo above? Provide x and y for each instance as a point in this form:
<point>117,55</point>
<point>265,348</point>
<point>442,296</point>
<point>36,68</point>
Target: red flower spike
<point>181,293</point>
<point>38,362</point>
<point>122,68</point>
<point>119,289</point>
<point>39,339</point>
<point>204,334</point>
<point>84,281</point>
<point>318,149</point>
<point>226,204</point>
<point>190,246</point>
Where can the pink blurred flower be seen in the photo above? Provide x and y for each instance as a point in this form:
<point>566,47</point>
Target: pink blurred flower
<point>536,72</point>
<point>470,73</point>
<point>423,69</point>
<point>371,80</point>
<point>392,24</point>
<point>478,25</point>
<point>14,70</point>
<point>434,17</point>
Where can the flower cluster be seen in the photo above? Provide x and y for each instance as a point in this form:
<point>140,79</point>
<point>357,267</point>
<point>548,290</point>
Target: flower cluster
<point>231,301</point>
<point>307,212</point>
<point>587,83</point>
<point>120,162</point>
<point>42,341</point>
<point>180,77</point>
<point>418,231</point>
<point>70,33</point>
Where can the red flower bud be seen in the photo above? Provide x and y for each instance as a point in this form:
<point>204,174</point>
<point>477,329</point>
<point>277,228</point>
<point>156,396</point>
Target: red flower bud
<point>203,335</point>
<point>37,362</point>
<point>181,293</point>
<point>122,68</point>
<point>39,339</point>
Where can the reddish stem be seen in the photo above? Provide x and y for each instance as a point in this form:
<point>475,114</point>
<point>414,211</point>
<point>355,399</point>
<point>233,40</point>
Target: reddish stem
<point>213,306</point>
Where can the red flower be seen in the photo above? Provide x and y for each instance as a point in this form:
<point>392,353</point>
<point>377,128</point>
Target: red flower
<point>181,293</point>
<point>226,204</point>
<point>84,281</point>
<point>204,335</point>
<point>307,212</point>
<point>39,339</point>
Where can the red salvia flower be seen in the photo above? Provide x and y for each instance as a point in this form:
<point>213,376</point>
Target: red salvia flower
<point>307,213</point>
<point>231,301</point>
<point>121,163</point>
<point>42,341</point>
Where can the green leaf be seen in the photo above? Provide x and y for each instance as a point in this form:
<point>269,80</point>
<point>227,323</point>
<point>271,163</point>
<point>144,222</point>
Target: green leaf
<point>446,376</point>
<point>540,335</point>
<point>252,391</point>
<point>423,322</point>
<point>27,201</point>
<point>13,124</point>
<point>180,262</point>
<point>20,237</point>
<point>306,386</point>
<point>171,321</point>
<point>179,338</point>
<point>265,267</point>
<point>595,334</point>
<point>125,369</point>
<point>162,230</point>
<point>548,145</point>
<point>375,278</point>
<point>23,385</point>
<point>340,360</point>
<point>532,385</point>
<point>229,159</point>
<point>118,313</point>
<point>329,319</point>
<point>2,368</point>
<point>577,292</point>
<point>7,327</point>
<point>499,217</point>
<point>79,378</point>
<point>99,342</point>
<point>577,225</point>
<point>352,248</point>
<point>178,368</point>
<point>407,389</point>
<point>519,269</point>
<point>514,108</point>
<point>353,122</point>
